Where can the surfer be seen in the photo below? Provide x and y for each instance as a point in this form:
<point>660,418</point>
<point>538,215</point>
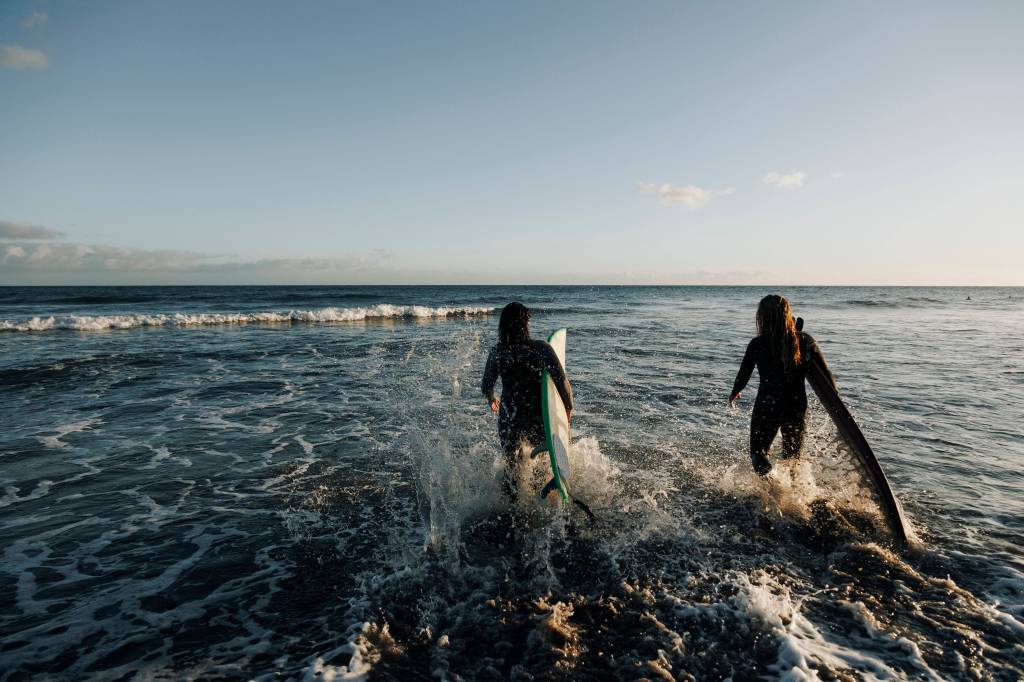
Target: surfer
<point>519,361</point>
<point>781,355</point>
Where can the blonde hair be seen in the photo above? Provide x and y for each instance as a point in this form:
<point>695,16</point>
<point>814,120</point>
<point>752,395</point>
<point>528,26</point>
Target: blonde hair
<point>775,323</point>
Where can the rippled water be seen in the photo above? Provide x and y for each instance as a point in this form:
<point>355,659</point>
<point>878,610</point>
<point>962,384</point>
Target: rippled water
<point>301,482</point>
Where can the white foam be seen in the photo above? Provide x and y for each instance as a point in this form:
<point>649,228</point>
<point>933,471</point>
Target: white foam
<point>54,441</point>
<point>362,650</point>
<point>307,447</point>
<point>803,648</point>
<point>1007,595</point>
<point>163,454</point>
<point>11,497</point>
<point>860,613</point>
<point>380,311</point>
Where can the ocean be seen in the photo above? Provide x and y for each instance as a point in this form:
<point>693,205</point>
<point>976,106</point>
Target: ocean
<point>302,483</point>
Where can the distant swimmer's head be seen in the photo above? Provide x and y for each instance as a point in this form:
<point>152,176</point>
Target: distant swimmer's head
<point>775,323</point>
<point>514,326</point>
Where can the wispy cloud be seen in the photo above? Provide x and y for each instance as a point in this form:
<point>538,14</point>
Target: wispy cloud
<point>792,180</point>
<point>18,57</point>
<point>29,249</point>
<point>97,258</point>
<point>35,20</point>
<point>86,257</point>
<point>836,175</point>
<point>691,196</point>
<point>340,264</point>
<point>9,230</point>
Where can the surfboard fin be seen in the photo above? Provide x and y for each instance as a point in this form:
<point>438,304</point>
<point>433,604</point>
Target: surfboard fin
<point>552,487</point>
<point>547,489</point>
<point>540,449</point>
<point>586,510</point>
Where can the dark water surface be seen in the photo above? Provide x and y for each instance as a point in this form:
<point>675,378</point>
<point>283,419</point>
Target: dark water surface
<point>300,482</point>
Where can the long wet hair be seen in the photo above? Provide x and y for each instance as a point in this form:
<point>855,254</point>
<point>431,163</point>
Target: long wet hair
<point>775,324</point>
<point>514,325</point>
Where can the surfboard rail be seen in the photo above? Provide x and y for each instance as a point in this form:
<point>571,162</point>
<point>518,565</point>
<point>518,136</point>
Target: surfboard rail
<point>556,423</point>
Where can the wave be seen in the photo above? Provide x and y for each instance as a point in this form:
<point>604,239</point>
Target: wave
<point>97,300</point>
<point>381,311</point>
<point>904,302</point>
<point>871,304</point>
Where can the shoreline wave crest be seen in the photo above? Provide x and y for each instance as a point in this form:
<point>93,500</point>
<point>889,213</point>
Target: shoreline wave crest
<point>381,311</point>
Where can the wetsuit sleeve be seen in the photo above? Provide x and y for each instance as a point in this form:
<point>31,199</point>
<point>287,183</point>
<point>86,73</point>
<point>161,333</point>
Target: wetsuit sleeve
<point>746,367</point>
<point>490,375</point>
<point>557,372</point>
<point>814,353</point>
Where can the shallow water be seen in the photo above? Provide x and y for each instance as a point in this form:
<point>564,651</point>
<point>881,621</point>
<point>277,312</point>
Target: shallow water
<point>300,482</point>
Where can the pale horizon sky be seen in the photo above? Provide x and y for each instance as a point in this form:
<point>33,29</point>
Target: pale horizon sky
<point>520,143</point>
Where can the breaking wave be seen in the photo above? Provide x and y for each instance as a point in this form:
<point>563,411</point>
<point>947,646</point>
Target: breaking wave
<point>380,311</point>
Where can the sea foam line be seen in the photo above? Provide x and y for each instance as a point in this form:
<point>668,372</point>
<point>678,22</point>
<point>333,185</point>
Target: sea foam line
<point>132,320</point>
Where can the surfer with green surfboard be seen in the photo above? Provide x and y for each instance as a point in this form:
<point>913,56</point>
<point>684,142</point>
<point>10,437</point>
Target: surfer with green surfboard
<point>521,363</point>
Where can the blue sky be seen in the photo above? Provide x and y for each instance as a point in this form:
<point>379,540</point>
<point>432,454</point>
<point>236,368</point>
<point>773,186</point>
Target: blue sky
<point>662,142</point>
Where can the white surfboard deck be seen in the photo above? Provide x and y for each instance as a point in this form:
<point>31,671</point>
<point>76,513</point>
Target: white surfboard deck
<point>556,422</point>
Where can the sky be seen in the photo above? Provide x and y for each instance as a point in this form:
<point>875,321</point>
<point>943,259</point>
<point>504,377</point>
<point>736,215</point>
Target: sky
<point>517,142</point>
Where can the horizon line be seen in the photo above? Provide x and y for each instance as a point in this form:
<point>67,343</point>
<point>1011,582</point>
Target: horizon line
<point>593,284</point>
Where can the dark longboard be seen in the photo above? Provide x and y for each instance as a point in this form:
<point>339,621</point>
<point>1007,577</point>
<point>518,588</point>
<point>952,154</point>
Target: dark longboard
<point>858,444</point>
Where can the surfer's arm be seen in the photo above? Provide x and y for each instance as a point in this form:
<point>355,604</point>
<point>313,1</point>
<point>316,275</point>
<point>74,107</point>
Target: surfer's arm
<point>490,377</point>
<point>746,370</point>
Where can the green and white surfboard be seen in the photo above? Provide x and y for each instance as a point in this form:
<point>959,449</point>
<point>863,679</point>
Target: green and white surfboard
<point>556,425</point>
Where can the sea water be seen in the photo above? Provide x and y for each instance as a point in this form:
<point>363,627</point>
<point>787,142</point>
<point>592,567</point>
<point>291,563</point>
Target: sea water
<point>302,482</point>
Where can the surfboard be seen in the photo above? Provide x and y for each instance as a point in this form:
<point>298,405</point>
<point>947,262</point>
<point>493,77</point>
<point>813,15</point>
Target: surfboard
<point>858,444</point>
<point>556,425</point>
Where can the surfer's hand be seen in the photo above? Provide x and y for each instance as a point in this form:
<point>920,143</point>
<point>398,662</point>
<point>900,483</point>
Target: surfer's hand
<point>568,415</point>
<point>494,404</point>
<point>734,397</point>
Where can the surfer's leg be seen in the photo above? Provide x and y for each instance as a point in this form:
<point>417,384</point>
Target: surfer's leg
<point>510,477</point>
<point>763,428</point>
<point>793,435</point>
<point>510,444</point>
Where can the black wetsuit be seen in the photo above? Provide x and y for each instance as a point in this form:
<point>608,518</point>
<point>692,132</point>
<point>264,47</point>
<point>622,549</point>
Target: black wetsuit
<point>781,398</point>
<point>520,416</point>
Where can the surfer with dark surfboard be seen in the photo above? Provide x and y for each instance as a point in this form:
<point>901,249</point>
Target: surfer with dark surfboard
<point>782,355</point>
<point>519,362</point>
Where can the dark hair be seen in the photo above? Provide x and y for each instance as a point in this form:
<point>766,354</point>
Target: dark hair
<point>775,323</point>
<point>514,324</point>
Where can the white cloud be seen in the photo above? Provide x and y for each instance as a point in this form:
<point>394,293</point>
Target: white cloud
<point>690,196</point>
<point>12,253</point>
<point>785,180</point>
<point>35,20</point>
<point>18,57</point>
<point>836,175</point>
<point>9,230</point>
